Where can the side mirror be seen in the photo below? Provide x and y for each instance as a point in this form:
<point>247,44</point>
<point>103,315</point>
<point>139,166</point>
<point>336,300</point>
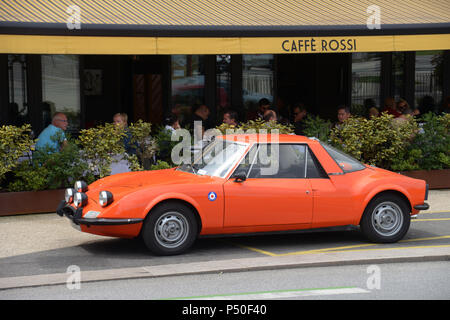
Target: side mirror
<point>240,176</point>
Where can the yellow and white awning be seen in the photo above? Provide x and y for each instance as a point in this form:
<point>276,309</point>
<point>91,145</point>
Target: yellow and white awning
<point>222,26</point>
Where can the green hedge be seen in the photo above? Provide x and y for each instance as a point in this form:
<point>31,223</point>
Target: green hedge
<point>87,158</point>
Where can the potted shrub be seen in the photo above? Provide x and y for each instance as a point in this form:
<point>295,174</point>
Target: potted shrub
<point>256,126</point>
<point>15,142</point>
<point>375,141</point>
<point>36,184</point>
<point>428,155</point>
<point>317,127</point>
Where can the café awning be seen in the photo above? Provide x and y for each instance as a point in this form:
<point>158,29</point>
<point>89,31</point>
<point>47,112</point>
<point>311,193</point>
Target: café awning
<point>222,26</point>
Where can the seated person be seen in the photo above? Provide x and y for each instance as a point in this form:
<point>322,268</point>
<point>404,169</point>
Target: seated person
<point>53,136</point>
<point>121,120</point>
<point>230,117</point>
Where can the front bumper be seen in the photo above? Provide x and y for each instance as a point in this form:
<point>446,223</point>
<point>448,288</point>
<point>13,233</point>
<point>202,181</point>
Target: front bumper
<point>76,216</point>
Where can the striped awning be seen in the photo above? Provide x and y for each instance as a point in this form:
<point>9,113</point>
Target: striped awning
<point>222,26</point>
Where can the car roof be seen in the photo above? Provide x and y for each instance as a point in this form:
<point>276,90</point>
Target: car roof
<point>264,138</point>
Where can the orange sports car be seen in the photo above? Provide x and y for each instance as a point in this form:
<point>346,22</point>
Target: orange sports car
<point>244,184</point>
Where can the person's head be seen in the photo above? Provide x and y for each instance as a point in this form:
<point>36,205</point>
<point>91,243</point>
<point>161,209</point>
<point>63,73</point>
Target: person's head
<point>389,103</point>
<point>402,104</point>
<point>60,120</point>
<point>299,112</point>
<point>121,119</point>
<point>373,112</point>
<point>202,111</point>
<point>408,111</point>
<point>230,117</point>
<point>172,121</point>
<point>176,109</point>
<point>270,115</point>
<point>343,113</point>
<point>263,105</point>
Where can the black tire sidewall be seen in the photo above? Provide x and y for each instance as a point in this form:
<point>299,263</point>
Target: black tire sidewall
<point>148,234</point>
<point>366,222</point>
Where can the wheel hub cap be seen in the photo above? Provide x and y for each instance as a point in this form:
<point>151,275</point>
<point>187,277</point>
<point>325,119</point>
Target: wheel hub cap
<point>171,229</point>
<point>387,218</point>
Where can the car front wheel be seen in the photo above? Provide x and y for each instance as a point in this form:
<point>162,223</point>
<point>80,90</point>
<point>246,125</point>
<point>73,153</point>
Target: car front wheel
<point>169,229</point>
<point>386,219</point>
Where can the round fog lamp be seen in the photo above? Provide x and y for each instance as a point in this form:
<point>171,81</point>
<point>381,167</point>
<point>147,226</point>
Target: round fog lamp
<point>80,199</point>
<point>81,186</point>
<point>105,198</point>
<point>68,195</point>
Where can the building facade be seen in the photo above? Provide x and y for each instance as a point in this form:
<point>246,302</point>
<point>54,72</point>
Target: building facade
<point>92,59</point>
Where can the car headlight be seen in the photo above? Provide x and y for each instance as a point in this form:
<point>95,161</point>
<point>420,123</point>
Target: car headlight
<point>68,195</point>
<point>81,186</point>
<point>80,199</point>
<point>105,198</point>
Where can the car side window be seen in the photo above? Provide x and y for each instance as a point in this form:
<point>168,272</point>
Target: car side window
<point>346,162</point>
<point>246,163</point>
<point>314,168</point>
<point>281,161</point>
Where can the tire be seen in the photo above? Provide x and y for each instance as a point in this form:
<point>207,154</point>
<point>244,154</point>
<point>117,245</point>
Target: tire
<point>170,229</point>
<point>386,219</point>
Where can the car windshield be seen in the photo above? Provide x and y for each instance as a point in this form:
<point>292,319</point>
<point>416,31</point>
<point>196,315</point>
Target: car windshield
<point>216,159</point>
<point>345,162</point>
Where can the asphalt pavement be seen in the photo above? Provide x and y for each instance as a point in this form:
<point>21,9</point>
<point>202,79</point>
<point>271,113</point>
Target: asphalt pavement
<point>43,249</point>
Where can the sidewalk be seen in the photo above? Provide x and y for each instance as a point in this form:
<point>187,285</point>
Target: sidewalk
<point>29,234</point>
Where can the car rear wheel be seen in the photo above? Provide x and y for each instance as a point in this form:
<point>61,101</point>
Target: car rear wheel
<point>386,219</point>
<point>169,229</point>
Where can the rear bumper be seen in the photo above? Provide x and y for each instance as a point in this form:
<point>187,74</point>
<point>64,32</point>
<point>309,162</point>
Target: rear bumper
<point>424,206</point>
<point>76,216</point>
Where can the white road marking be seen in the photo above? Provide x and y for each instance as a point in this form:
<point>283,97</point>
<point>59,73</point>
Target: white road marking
<point>282,294</point>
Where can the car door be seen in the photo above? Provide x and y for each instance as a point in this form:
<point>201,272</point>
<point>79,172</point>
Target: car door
<point>275,191</point>
<point>333,193</point>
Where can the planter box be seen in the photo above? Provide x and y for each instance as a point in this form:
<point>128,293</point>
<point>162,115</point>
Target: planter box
<point>437,179</point>
<point>12,203</point>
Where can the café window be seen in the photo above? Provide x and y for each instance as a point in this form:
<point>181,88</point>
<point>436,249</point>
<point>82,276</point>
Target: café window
<point>61,89</point>
<point>257,80</point>
<point>223,84</point>
<point>398,74</point>
<point>366,73</point>
<point>188,85</point>
<point>429,73</point>
<point>17,76</point>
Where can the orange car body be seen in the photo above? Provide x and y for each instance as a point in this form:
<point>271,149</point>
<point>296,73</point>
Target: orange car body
<point>255,205</point>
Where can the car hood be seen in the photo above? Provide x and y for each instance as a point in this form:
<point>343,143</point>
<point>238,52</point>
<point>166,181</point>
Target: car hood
<point>124,183</point>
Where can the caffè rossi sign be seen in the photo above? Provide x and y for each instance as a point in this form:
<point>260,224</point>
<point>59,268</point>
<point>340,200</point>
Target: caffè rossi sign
<point>314,45</point>
<point>44,44</point>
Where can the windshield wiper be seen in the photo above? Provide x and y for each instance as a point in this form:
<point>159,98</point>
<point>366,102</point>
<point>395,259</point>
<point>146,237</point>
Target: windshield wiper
<point>193,167</point>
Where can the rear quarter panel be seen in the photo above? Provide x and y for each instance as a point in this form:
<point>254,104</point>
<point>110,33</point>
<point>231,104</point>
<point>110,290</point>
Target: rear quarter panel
<point>375,181</point>
<point>342,198</point>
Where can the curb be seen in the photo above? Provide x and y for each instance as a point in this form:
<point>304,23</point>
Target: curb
<point>375,256</point>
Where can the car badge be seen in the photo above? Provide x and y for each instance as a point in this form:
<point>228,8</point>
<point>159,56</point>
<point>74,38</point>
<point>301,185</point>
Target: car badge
<point>212,196</point>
